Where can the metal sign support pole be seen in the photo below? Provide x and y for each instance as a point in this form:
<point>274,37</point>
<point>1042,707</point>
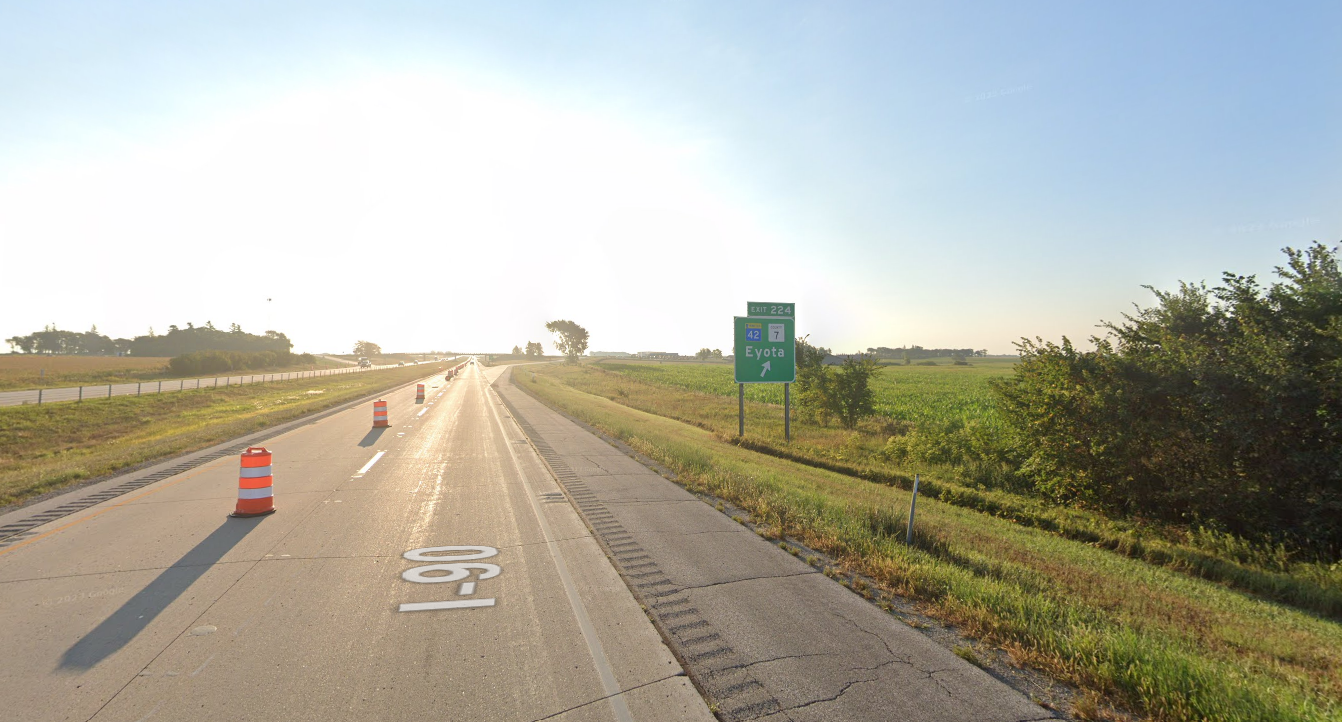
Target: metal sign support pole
<point>740,409</point>
<point>787,412</point>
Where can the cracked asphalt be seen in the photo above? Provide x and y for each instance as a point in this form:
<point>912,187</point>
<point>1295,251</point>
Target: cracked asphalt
<point>764,635</point>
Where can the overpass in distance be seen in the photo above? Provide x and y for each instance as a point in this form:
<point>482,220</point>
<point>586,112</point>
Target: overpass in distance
<point>482,558</point>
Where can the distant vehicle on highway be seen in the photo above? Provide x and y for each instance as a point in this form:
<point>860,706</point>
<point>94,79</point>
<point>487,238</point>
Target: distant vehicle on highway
<point>365,363</point>
<point>400,363</point>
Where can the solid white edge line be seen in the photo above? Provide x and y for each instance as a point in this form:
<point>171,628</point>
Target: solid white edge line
<point>370,463</point>
<point>594,647</point>
<point>454,604</point>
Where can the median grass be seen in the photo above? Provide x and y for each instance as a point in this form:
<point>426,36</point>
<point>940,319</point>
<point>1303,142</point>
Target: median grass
<point>1160,643</point>
<point>937,398</point>
<point>31,371</point>
<point>47,447</point>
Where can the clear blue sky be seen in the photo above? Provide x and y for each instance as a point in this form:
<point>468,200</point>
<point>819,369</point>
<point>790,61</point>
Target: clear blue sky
<point>439,174</point>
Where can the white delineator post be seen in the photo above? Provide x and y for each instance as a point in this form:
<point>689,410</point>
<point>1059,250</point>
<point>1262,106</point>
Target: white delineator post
<point>913,505</point>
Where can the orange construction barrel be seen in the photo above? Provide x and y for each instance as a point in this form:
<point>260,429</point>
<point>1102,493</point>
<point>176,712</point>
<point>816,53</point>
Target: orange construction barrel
<point>380,414</point>
<point>256,494</point>
<point>419,392</point>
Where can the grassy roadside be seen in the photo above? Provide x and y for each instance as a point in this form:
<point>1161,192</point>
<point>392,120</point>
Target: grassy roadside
<point>1163,644</point>
<point>693,396</point>
<point>30,371</point>
<point>43,448</point>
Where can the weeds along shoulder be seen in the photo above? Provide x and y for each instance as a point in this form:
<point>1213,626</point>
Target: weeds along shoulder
<point>1159,642</point>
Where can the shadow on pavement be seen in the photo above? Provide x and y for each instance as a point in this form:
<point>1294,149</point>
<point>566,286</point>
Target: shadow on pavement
<point>372,436</point>
<point>136,614</point>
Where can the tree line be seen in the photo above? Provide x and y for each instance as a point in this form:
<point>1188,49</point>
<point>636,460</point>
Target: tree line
<point>51,340</point>
<point>175,342</point>
<point>533,350</point>
<point>915,353</point>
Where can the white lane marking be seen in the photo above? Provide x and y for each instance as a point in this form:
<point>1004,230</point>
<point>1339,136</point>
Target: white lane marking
<point>455,604</point>
<point>370,463</point>
<point>466,589</point>
<point>594,647</point>
<point>455,572</point>
<point>421,411</point>
<point>430,554</point>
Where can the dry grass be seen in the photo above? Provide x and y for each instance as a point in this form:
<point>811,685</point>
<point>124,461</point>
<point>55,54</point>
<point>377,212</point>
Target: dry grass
<point>30,371</point>
<point>26,371</point>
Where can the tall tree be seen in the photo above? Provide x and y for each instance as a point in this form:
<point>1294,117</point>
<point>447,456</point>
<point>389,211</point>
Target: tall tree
<point>517,350</point>
<point>367,348</point>
<point>571,339</point>
<point>534,349</point>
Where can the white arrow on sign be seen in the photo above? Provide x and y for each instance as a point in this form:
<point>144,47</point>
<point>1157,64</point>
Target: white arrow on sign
<point>767,364</point>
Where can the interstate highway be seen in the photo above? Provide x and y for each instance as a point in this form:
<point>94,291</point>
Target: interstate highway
<point>157,606</point>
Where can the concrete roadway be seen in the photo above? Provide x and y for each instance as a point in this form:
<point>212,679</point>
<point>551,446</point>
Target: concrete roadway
<point>156,606</point>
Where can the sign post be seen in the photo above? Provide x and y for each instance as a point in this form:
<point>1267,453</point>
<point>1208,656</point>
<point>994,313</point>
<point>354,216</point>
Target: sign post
<point>765,347</point>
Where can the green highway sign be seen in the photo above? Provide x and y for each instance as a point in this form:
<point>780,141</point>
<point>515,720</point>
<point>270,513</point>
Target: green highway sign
<point>765,350</point>
<point>775,310</point>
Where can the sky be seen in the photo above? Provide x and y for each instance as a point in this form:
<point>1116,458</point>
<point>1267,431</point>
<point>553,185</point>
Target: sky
<point>451,175</point>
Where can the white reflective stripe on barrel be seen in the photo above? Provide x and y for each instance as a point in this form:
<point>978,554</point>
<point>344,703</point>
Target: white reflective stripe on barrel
<point>253,472</point>
<point>263,493</point>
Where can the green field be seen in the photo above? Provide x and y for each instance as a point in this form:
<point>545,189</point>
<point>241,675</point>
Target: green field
<point>916,394</point>
<point>1146,637</point>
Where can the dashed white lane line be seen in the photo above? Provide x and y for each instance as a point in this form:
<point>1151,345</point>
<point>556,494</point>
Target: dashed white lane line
<point>371,461</point>
<point>421,411</point>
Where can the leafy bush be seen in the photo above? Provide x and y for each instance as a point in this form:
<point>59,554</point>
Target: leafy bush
<point>1220,408</point>
<point>851,396</point>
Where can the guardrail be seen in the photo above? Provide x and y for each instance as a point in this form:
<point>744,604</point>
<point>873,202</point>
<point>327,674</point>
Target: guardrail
<point>140,388</point>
